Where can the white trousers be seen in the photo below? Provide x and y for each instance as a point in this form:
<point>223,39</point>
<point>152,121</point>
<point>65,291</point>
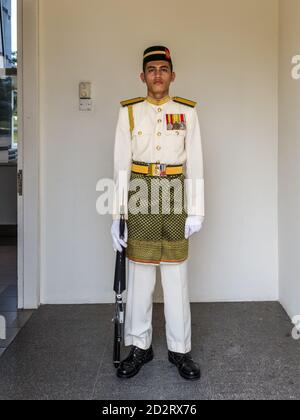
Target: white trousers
<point>140,288</point>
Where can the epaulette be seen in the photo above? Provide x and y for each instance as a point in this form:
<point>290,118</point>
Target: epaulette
<point>183,101</point>
<point>133,101</point>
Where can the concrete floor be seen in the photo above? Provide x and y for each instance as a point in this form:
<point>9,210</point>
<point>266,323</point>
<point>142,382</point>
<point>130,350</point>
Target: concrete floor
<point>65,352</point>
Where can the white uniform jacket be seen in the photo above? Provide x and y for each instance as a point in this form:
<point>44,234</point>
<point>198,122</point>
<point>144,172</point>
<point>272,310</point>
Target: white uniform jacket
<point>155,140</point>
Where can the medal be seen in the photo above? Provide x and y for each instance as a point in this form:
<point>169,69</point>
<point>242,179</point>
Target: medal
<point>169,122</point>
<point>176,122</point>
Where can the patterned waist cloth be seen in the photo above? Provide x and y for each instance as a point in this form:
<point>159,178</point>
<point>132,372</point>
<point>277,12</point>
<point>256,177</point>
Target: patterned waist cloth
<point>156,216</point>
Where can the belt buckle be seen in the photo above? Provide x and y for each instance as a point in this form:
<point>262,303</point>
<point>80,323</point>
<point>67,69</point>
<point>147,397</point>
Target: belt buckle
<point>163,167</point>
<point>158,169</point>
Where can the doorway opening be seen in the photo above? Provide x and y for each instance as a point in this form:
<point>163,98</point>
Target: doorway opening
<point>9,175</point>
<point>8,153</point>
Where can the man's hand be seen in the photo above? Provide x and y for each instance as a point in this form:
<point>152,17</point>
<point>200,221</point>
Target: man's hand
<point>115,233</point>
<point>193,224</point>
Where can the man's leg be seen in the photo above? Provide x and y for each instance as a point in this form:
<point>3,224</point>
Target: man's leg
<point>178,318</point>
<point>138,318</point>
<point>176,306</point>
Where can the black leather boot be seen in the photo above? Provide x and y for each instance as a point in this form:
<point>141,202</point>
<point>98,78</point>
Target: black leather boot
<point>187,368</point>
<point>134,361</point>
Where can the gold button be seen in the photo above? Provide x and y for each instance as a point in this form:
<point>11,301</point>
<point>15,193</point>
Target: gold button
<point>177,132</point>
<point>140,133</point>
<point>158,148</point>
<point>159,121</point>
<point>159,134</point>
<point>159,109</point>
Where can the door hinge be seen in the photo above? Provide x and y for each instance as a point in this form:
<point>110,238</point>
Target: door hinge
<point>20,182</point>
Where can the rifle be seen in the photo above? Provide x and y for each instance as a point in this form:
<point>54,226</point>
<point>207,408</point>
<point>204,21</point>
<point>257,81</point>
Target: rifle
<point>119,288</point>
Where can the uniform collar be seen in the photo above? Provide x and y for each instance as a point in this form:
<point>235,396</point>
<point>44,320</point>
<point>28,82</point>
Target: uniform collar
<point>158,102</point>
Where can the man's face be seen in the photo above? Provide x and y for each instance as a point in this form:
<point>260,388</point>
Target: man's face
<point>158,77</point>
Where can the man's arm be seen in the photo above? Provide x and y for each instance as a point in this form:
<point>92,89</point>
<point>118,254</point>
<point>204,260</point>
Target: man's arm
<point>122,163</point>
<point>194,167</point>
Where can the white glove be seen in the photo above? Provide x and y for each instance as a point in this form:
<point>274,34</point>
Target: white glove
<point>193,224</point>
<point>115,232</point>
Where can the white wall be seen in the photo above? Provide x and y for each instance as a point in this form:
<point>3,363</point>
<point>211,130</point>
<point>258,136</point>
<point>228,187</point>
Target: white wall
<point>289,159</point>
<point>226,56</point>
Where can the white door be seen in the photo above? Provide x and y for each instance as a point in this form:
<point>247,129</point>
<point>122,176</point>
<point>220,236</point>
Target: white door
<point>28,163</point>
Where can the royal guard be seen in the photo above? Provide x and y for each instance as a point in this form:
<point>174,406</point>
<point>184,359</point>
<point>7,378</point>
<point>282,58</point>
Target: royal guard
<point>158,146</point>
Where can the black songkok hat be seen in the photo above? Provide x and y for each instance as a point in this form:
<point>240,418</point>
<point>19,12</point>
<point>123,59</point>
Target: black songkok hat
<point>157,53</point>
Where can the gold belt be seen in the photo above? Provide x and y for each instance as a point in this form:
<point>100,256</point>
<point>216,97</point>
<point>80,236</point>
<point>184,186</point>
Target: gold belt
<point>157,169</point>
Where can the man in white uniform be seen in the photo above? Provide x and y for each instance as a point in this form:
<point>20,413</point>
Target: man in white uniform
<point>158,140</point>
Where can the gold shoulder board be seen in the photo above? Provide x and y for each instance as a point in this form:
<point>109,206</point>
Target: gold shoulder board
<point>133,101</point>
<point>183,101</point>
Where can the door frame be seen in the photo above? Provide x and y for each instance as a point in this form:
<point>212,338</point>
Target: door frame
<point>28,155</point>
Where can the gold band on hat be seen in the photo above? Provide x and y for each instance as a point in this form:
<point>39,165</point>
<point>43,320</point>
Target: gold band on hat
<point>154,53</point>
